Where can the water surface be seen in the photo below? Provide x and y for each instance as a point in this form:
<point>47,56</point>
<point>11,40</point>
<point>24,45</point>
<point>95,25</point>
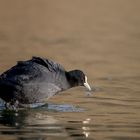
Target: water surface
<point>100,37</point>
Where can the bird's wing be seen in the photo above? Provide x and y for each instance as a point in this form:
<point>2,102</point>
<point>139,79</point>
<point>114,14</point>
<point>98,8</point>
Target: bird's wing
<point>50,65</point>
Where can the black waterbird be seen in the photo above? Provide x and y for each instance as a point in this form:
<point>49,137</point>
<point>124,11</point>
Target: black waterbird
<point>33,81</point>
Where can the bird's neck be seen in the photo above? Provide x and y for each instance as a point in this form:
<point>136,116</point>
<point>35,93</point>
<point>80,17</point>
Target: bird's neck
<point>70,79</point>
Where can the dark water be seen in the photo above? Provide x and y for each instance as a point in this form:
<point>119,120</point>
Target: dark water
<point>101,37</point>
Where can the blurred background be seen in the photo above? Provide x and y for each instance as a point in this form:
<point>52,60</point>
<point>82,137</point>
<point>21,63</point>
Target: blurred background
<point>100,37</point>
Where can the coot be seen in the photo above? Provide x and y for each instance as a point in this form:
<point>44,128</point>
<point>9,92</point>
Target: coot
<point>33,81</point>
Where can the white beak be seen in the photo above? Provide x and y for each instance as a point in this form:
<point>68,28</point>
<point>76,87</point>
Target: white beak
<point>86,84</point>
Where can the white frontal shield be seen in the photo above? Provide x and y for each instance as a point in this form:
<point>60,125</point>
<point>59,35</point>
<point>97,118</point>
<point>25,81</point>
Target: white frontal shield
<point>86,84</point>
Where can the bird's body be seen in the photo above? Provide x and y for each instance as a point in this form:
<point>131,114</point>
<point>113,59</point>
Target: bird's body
<point>35,80</point>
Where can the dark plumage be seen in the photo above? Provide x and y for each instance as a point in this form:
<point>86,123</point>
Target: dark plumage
<point>35,80</point>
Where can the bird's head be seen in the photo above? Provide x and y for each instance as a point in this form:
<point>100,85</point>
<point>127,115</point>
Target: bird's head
<point>77,78</point>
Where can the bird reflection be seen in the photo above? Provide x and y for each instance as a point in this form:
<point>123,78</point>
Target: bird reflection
<point>38,124</point>
<point>13,118</point>
<point>29,124</point>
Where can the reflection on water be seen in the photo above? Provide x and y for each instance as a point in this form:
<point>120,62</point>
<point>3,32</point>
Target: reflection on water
<point>100,37</point>
<point>38,125</point>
